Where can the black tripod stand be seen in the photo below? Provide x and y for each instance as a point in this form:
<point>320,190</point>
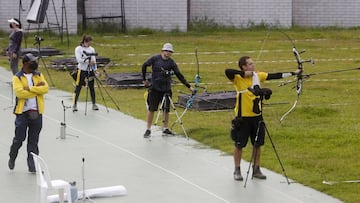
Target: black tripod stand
<point>167,102</point>
<point>262,127</point>
<point>38,44</point>
<point>92,76</point>
<point>63,124</point>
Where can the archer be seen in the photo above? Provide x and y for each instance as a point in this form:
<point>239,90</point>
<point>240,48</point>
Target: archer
<point>248,110</point>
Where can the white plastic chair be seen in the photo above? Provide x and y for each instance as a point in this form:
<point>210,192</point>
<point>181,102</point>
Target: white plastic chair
<point>44,181</point>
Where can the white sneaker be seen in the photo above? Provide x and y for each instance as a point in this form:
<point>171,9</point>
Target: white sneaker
<point>95,107</point>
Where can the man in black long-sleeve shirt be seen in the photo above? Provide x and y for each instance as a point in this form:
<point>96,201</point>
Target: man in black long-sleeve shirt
<point>163,66</point>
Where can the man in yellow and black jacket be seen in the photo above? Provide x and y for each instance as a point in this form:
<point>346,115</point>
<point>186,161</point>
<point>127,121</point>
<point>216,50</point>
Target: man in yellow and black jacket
<point>29,86</point>
<point>248,110</point>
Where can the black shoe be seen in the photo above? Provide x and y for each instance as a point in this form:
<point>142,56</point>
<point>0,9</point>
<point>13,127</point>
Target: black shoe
<point>11,164</point>
<point>167,132</point>
<point>32,170</point>
<point>74,108</point>
<point>238,176</point>
<point>147,134</point>
<point>257,173</point>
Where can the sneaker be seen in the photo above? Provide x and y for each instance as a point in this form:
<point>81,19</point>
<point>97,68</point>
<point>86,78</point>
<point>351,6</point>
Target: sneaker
<point>95,107</point>
<point>147,134</point>
<point>257,173</point>
<point>238,176</point>
<point>74,108</point>
<point>167,132</point>
<point>11,164</point>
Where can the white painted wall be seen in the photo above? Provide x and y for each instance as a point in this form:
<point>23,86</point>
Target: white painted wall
<point>320,13</point>
<point>169,15</point>
<point>243,13</point>
<point>10,9</point>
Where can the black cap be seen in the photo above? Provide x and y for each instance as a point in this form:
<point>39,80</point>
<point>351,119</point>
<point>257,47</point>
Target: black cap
<point>29,57</point>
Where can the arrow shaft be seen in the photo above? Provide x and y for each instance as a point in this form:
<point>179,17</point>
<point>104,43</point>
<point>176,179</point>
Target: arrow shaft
<point>335,71</point>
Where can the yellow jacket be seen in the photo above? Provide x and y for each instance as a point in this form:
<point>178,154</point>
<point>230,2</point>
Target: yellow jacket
<point>19,82</point>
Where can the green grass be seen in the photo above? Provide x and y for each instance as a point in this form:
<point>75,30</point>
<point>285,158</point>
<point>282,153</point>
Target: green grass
<point>319,140</point>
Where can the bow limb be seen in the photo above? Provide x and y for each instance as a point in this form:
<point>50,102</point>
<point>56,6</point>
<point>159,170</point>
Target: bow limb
<point>290,110</point>
<point>299,91</point>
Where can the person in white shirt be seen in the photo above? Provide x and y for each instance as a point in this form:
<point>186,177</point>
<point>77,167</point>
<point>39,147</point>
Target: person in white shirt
<point>86,72</point>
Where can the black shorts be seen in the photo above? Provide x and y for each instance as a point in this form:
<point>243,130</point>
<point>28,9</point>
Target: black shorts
<point>249,127</point>
<point>155,98</point>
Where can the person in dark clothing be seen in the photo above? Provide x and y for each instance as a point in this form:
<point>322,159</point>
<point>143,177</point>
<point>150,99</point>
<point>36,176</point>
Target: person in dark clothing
<point>13,51</point>
<point>248,110</point>
<point>29,86</point>
<point>163,67</point>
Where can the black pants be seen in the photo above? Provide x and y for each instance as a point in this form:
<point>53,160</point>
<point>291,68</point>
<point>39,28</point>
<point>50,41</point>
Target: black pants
<point>24,125</point>
<point>81,79</point>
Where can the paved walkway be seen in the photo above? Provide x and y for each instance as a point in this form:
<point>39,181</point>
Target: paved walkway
<point>166,169</point>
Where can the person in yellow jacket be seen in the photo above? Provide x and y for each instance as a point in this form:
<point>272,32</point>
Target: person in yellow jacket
<point>29,86</point>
